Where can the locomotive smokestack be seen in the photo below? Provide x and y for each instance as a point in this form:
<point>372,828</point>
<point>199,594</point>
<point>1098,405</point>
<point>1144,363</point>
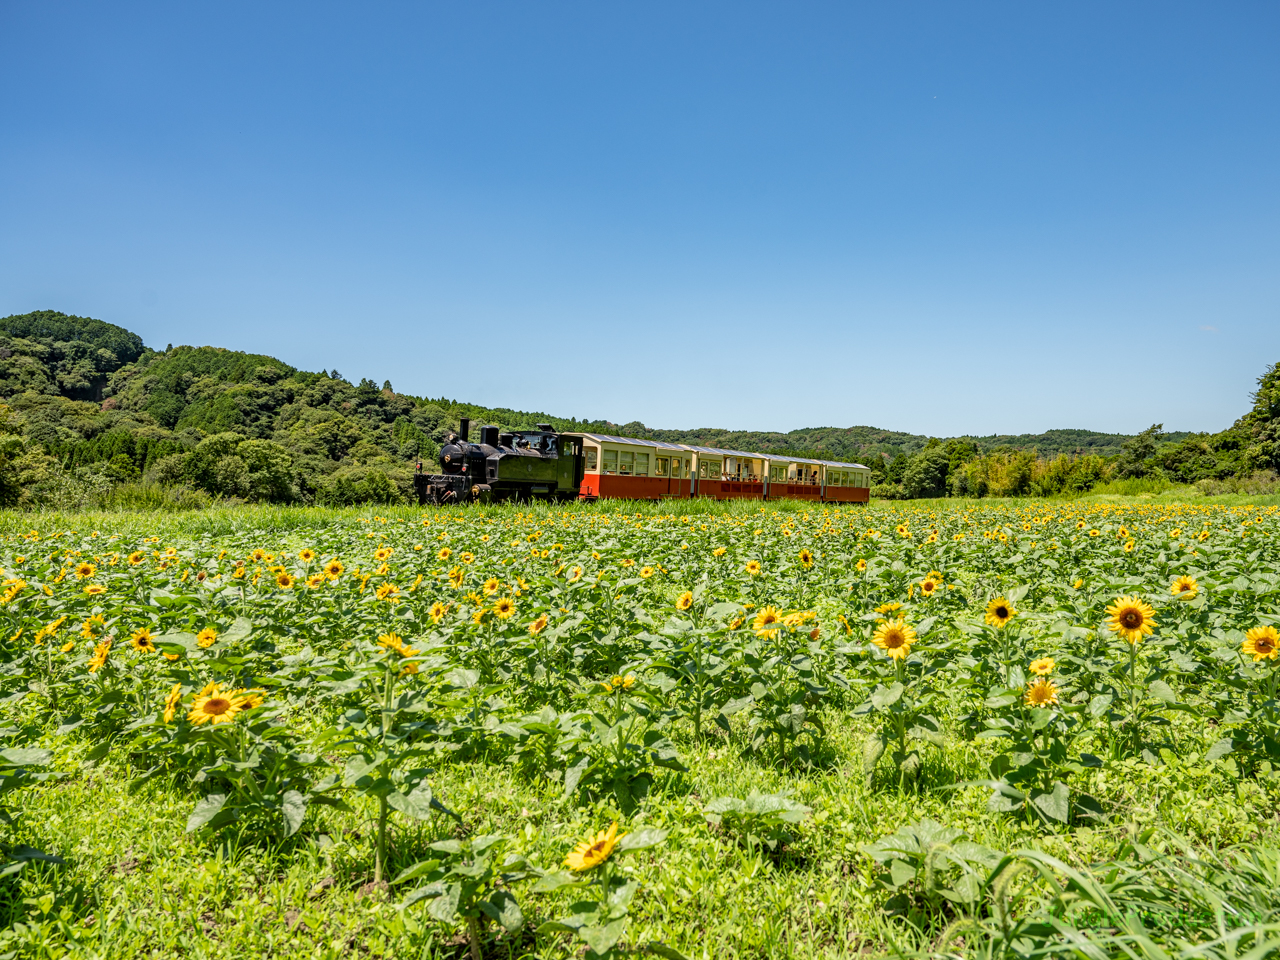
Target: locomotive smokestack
<point>464,427</point>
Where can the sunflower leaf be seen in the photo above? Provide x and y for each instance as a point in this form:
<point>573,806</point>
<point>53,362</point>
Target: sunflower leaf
<point>294,809</point>
<point>206,810</point>
<point>642,839</point>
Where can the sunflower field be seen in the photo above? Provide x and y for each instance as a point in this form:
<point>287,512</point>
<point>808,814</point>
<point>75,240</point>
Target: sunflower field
<point>698,730</point>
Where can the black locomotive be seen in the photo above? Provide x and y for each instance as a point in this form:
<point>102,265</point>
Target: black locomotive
<point>526,465</point>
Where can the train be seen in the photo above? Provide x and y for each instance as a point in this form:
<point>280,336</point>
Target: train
<point>545,464</point>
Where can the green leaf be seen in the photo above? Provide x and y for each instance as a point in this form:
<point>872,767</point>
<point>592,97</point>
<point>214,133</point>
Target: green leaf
<point>294,809</point>
<point>445,906</point>
<point>642,839</point>
<point>604,938</point>
<point>551,882</point>
<point>26,756</point>
<point>884,696</point>
<point>206,810</point>
<point>1054,804</point>
<point>1162,691</point>
<point>416,804</point>
<point>1220,749</point>
<point>503,909</point>
<point>662,950</point>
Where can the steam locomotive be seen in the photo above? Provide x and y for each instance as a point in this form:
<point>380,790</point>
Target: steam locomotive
<point>529,465</point>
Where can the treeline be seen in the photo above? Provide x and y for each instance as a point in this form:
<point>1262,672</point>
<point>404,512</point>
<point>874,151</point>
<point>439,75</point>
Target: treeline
<point>90,415</point>
<point>1250,448</point>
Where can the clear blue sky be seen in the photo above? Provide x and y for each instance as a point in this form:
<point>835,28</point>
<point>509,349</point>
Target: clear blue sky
<point>943,218</point>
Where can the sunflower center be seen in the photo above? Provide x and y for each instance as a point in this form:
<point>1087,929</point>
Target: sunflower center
<point>1263,646</point>
<point>893,639</point>
<point>1132,619</point>
<point>217,706</point>
<point>1002,612</point>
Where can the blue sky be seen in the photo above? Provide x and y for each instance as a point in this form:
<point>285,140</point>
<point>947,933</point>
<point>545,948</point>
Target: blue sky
<point>942,218</point>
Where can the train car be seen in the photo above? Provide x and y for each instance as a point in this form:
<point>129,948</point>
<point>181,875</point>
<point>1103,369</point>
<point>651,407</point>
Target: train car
<point>631,469</point>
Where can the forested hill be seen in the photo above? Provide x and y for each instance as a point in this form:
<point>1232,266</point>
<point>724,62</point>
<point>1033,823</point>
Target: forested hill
<point>88,399</point>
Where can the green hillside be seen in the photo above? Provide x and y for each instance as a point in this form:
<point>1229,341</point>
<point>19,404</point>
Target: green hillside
<point>91,415</point>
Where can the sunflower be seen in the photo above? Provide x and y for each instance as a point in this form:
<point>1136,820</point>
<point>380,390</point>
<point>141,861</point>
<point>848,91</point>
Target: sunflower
<point>257,556</point>
<point>491,586</point>
<point>1185,588</point>
<point>753,567</point>
<point>93,627</point>
<point>391,641</point>
<point>251,698</point>
<point>806,559</point>
<point>306,554</point>
<point>1043,667</point>
<point>1123,532</point>
<point>315,581</point>
<point>94,589</point>
<point>99,658</point>
<point>574,575</point>
<point>142,640</point>
<point>284,581</point>
<point>894,637</point>
<point>85,570</point>
<point>388,592</point>
<point>437,611</point>
<point>1078,584</point>
<point>764,622</point>
<point>999,612</point>
<point>594,850</point>
<point>861,566</point>
<point>1040,693</point>
<point>212,705</point>
<point>383,554</point>
<point>444,554</point>
<point>685,600</point>
<point>206,637</point>
<point>455,577</point>
<point>646,572</point>
<point>1131,618</point>
<point>888,608</point>
<point>719,551</point>
<point>504,607</point>
<point>902,530</point>
<point>468,558</point>
<point>136,558</point>
<point>538,625</point>
<point>171,702</point>
<point>928,587</point>
<point>1261,643</point>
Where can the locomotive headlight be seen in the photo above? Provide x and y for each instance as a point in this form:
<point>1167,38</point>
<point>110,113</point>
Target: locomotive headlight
<point>448,458</point>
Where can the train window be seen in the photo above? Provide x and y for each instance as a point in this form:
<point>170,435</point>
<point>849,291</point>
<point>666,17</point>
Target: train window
<point>611,461</point>
<point>709,469</point>
<point>591,459</point>
<point>642,464</point>
<point>660,466</point>
<point>626,462</point>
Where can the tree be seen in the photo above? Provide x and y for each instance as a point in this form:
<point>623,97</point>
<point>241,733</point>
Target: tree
<point>1138,451</point>
<point>926,474</point>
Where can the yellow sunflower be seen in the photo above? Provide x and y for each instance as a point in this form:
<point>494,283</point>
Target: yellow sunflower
<point>383,554</point>
<point>895,638</point>
<point>306,554</point>
<point>206,637</point>
<point>765,621</point>
<point>1261,643</point>
<point>646,572</point>
<point>99,658</point>
<point>284,581</point>
<point>574,575</point>
<point>136,558</point>
<point>538,625</point>
<point>928,587</point>
<point>94,589</point>
<point>885,608</point>
<point>491,586</point>
<point>504,607</point>
<point>861,566</point>
<point>1185,588</point>
<point>806,559</point>
<point>142,640</point>
<point>753,567</point>
<point>1131,618</point>
<point>171,702</point>
<point>999,612</point>
<point>594,850</point>
<point>1043,667</point>
<point>719,552</point>
<point>212,705</point>
<point>85,570</point>
<point>388,592</point>
<point>437,611</point>
<point>685,600</point>
<point>1040,693</point>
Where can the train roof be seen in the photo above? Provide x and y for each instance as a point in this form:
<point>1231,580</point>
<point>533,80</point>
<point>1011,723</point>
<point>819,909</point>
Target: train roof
<point>745,454</point>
